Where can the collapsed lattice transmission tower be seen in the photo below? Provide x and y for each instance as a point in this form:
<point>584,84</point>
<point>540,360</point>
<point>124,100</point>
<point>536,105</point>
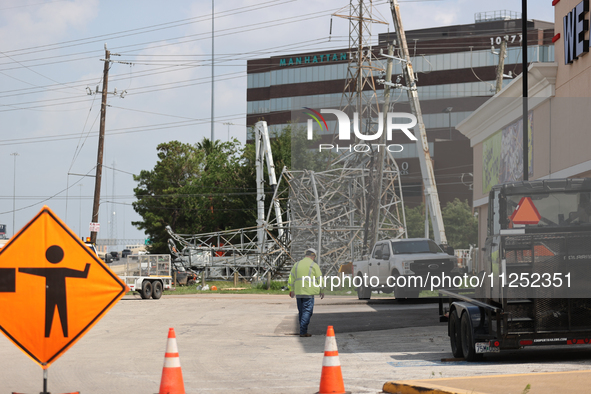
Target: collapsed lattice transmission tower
<point>334,210</point>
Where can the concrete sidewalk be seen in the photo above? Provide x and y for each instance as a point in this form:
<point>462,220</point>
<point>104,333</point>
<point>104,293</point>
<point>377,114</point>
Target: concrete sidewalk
<point>539,383</point>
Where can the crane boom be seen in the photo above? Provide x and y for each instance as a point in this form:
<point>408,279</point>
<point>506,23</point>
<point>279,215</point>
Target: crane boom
<point>431,195</point>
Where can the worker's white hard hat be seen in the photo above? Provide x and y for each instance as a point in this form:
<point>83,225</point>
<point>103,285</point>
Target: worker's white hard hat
<point>311,250</point>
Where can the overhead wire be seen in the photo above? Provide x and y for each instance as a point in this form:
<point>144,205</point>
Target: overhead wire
<point>48,198</point>
<point>148,29</point>
<point>124,130</point>
<point>165,69</point>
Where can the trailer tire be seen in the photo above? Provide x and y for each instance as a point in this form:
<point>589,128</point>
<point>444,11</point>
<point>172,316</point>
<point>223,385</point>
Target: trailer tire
<point>468,344</point>
<point>363,293</point>
<point>156,290</point>
<point>146,292</point>
<point>455,338</point>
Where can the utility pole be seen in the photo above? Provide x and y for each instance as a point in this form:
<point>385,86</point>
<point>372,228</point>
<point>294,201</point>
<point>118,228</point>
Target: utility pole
<point>431,195</point>
<point>501,66</point>
<point>377,199</point>
<point>99,160</point>
<point>212,69</point>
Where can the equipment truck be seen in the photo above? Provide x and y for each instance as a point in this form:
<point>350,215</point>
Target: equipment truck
<point>533,285</point>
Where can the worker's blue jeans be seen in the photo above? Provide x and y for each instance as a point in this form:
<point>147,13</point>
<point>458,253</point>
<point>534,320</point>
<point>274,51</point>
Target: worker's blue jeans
<point>305,309</point>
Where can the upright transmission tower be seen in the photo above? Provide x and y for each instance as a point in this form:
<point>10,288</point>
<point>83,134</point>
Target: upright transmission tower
<point>359,94</point>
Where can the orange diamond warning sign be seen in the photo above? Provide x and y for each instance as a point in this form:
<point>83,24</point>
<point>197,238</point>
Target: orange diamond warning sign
<point>53,288</point>
<point>525,212</point>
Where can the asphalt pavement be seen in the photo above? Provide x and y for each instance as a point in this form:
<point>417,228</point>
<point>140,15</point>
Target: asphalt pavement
<point>245,343</point>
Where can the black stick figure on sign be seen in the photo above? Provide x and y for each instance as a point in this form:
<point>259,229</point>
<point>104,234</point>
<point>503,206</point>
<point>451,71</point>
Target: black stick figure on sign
<point>55,287</point>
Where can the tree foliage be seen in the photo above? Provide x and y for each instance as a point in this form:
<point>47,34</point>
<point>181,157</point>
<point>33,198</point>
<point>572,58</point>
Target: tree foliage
<point>415,222</point>
<point>194,189</point>
<point>461,227</point>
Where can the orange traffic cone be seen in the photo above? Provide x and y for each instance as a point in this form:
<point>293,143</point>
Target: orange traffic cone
<point>172,375</point>
<point>331,381</point>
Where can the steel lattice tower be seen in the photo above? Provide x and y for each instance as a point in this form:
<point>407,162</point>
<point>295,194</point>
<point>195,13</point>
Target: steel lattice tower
<point>359,93</point>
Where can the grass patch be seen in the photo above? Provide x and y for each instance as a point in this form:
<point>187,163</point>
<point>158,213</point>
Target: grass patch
<point>277,287</point>
<point>227,287</point>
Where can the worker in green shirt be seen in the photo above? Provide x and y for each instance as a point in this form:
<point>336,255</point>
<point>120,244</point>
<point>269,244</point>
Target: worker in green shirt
<point>305,282</point>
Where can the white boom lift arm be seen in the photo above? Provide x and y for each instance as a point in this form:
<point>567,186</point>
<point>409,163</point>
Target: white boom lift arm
<point>431,195</point>
<point>263,151</point>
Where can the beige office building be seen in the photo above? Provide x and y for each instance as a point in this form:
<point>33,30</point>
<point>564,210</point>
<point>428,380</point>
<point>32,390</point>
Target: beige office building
<point>559,116</point>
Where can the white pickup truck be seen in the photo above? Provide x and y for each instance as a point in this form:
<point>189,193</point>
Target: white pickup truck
<point>410,258</point>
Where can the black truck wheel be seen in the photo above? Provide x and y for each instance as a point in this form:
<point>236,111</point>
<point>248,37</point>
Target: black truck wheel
<point>146,290</point>
<point>363,293</point>
<point>455,339</point>
<point>468,344</point>
<point>400,294</point>
<point>156,290</point>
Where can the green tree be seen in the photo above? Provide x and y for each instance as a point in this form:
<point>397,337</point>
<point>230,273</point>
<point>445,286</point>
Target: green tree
<point>209,147</point>
<point>194,189</point>
<point>461,226</point>
<point>415,222</point>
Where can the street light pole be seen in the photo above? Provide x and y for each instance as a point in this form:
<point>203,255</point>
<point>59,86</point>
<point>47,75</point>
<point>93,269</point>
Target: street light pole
<point>212,68</point>
<point>15,154</point>
<point>80,213</point>
<point>229,124</point>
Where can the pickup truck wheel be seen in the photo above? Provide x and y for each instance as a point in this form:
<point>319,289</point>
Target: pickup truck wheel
<point>156,290</point>
<point>455,338</point>
<point>468,344</point>
<point>363,293</point>
<point>146,290</point>
<point>399,292</point>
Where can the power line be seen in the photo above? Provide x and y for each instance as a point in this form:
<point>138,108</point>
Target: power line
<point>149,29</point>
<point>165,69</point>
<point>126,130</point>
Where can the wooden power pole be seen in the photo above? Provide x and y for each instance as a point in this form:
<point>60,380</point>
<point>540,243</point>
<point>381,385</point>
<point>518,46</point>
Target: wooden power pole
<point>99,160</point>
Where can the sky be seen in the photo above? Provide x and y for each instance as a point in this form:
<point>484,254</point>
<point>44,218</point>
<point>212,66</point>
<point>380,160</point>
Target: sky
<point>50,58</point>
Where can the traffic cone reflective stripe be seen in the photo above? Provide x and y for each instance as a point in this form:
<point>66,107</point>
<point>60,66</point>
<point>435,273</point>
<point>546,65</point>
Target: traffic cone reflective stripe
<point>331,380</point>
<point>172,375</point>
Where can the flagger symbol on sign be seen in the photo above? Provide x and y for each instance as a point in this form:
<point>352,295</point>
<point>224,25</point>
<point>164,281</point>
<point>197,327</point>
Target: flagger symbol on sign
<point>55,287</point>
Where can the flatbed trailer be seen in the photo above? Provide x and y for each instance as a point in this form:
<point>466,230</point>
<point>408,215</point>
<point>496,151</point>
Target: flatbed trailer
<point>534,282</point>
<point>147,274</point>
